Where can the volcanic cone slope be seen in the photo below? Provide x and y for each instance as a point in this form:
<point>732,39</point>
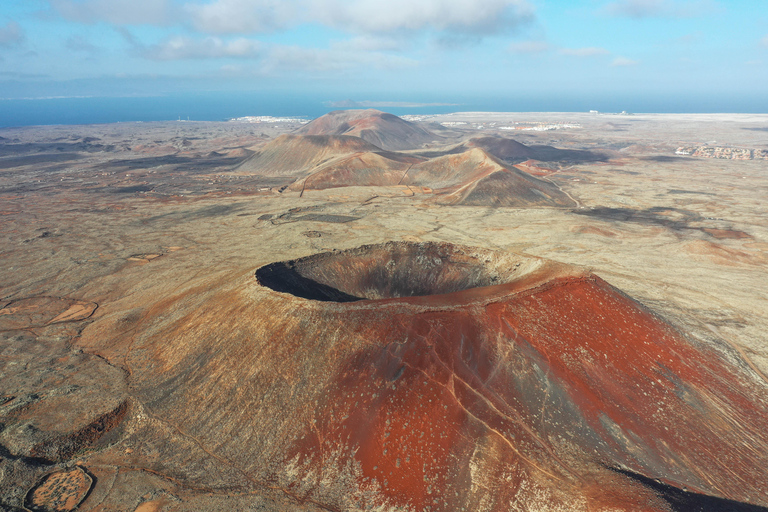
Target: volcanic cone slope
<point>293,155</point>
<point>382,168</point>
<point>438,377</point>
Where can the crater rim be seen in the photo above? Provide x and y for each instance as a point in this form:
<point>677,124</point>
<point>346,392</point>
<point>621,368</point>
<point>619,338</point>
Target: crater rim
<point>397,270</point>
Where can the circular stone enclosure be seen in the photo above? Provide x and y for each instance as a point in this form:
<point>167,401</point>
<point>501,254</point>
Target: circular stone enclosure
<point>394,270</point>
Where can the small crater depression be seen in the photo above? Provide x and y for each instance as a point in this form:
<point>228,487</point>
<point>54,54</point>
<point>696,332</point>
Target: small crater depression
<point>393,270</point>
<point>60,491</point>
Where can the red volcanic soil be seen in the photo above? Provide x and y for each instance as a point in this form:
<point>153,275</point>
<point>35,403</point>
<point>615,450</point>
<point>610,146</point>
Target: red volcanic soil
<point>531,167</point>
<point>384,130</point>
<point>443,378</point>
<point>60,491</point>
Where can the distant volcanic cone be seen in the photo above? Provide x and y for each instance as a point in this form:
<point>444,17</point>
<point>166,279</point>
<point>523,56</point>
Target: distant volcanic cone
<point>430,376</point>
<point>381,129</point>
<point>475,178</point>
<point>510,150</point>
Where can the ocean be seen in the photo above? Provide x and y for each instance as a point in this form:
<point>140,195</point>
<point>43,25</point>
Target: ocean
<point>226,105</point>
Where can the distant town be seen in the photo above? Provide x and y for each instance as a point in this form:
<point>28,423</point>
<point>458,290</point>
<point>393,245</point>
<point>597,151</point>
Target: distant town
<point>270,119</point>
<point>724,153</point>
<point>526,126</point>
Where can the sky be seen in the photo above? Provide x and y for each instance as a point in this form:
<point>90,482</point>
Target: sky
<point>377,52</point>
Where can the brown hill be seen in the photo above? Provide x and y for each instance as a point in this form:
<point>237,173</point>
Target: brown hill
<point>506,149</point>
<point>472,178</point>
<point>453,170</point>
<point>239,153</point>
<point>438,173</point>
<point>509,187</point>
<point>295,155</point>
<point>384,130</point>
<point>512,151</point>
<point>475,178</point>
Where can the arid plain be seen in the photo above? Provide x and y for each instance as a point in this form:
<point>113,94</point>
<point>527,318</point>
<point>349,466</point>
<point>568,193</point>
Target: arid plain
<point>144,366</point>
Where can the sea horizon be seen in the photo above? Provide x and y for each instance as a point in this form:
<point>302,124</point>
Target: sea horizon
<point>86,110</point>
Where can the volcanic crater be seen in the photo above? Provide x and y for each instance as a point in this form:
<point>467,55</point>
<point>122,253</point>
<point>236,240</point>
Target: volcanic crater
<point>458,357</point>
<point>393,270</point>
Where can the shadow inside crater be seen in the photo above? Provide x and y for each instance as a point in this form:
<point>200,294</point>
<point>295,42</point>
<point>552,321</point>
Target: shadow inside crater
<point>390,270</point>
<point>284,277</point>
<point>685,501</point>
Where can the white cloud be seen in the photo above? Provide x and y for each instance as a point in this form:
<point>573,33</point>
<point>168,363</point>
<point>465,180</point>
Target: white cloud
<point>458,16</point>
<point>181,47</point>
<point>764,42</point>
<point>11,34</point>
<point>288,58</point>
<point>119,12</point>
<point>455,18</point>
<point>583,52</point>
<point>370,43</point>
<point>244,16</point>
<point>361,16</point>
<point>623,61</point>
<point>529,47</point>
<point>660,8</point>
<point>272,59</point>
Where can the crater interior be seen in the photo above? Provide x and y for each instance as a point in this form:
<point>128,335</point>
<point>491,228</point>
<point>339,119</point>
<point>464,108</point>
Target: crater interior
<point>393,270</point>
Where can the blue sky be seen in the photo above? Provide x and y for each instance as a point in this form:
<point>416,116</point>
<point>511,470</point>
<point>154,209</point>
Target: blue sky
<point>376,50</point>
